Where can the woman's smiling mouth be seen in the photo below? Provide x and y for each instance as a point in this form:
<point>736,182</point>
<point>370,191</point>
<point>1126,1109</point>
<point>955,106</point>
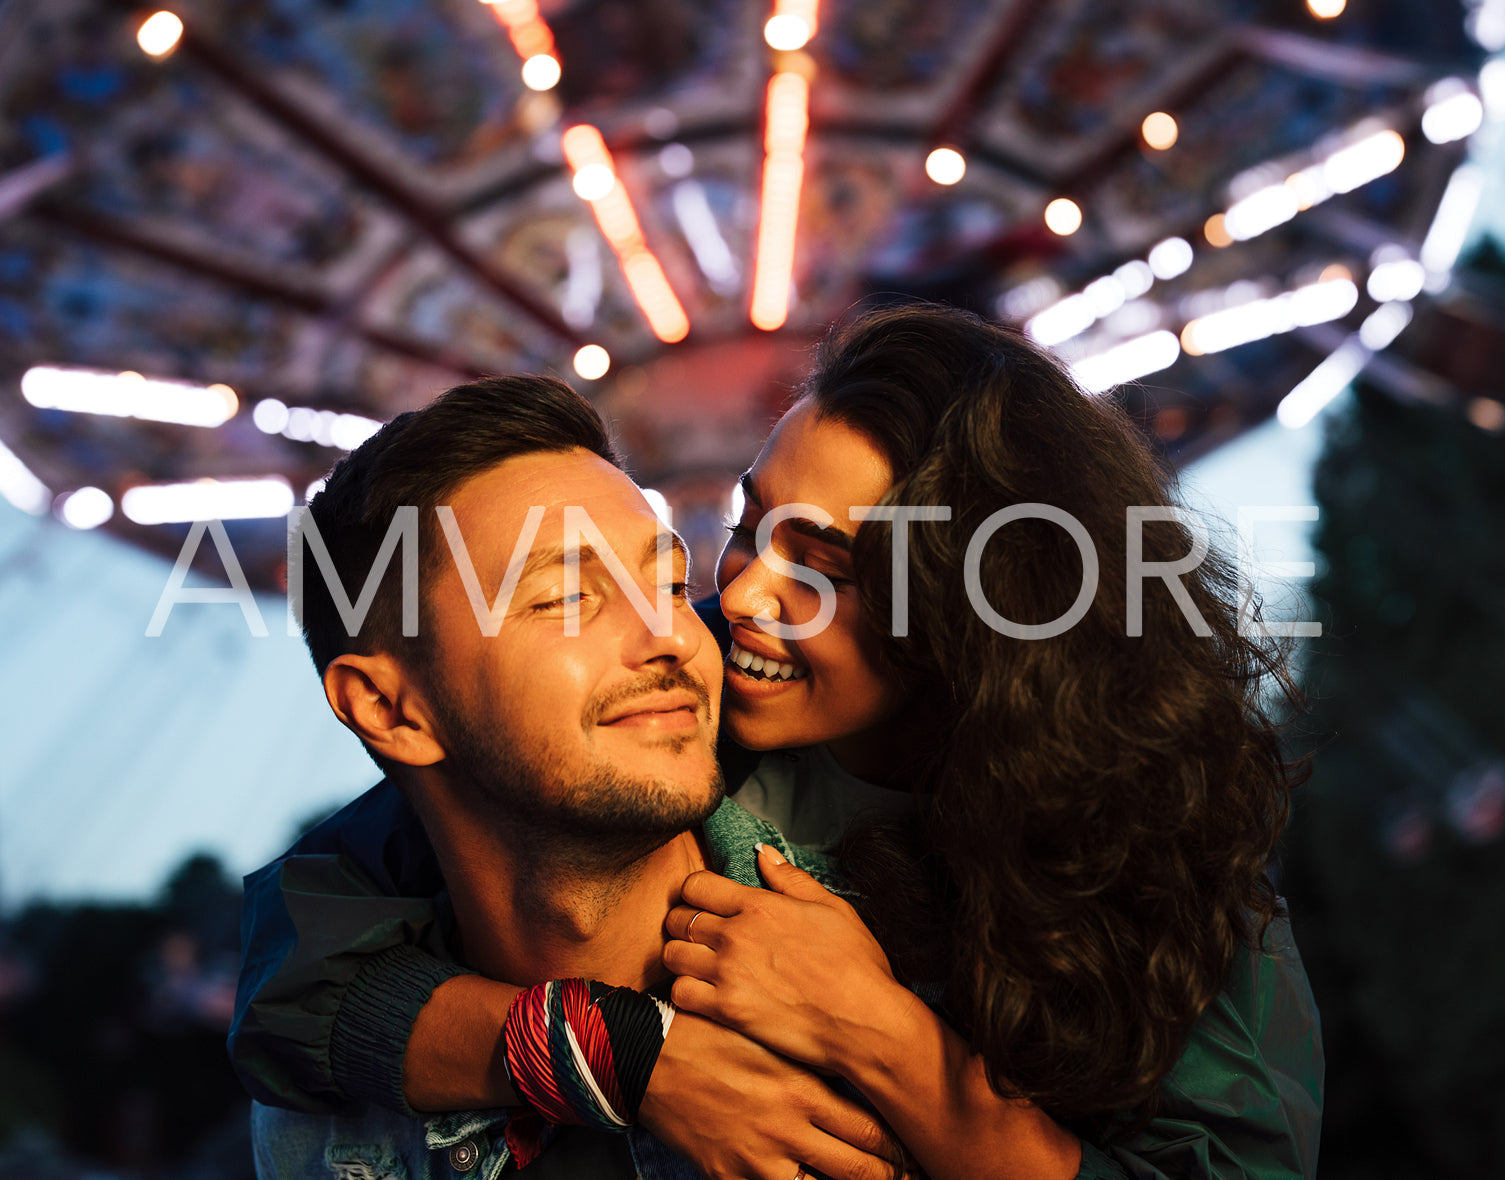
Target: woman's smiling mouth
<point>754,667</point>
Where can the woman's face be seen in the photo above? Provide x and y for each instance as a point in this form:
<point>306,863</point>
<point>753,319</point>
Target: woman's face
<point>826,687</point>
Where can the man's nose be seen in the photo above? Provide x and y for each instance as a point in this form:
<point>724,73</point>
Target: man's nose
<point>667,641</point>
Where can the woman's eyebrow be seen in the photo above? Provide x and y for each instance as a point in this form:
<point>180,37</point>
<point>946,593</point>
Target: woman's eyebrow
<point>807,528</point>
<point>825,533</point>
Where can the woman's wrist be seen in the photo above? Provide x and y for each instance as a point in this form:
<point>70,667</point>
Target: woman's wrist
<point>917,1066</point>
<point>870,1052</point>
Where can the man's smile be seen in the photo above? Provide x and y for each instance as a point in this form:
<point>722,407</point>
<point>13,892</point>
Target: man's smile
<point>664,710</point>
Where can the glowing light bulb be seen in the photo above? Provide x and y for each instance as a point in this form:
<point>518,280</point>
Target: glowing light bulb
<point>786,32</point>
<point>1171,258</point>
<point>541,72</point>
<point>159,34</point>
<point>127,395</point>
<point>945,165</point>
<point>594,181</point>
<point>592,362</point>
<point>87,508</point>
<point>1368,159</point>
<point>1326,9</point>
<point>270,416</point>
<point>208,499</point>
<point>1128,361</point>
<point>1160,131</point>
<point>1456,117</point>
<point>1063,216</point>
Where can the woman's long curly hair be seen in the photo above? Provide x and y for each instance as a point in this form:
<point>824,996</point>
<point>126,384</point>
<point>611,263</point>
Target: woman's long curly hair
<point>1099,809</point>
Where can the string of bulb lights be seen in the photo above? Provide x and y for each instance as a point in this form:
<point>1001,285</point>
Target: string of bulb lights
<point>1260,201</point>
<point>790,27</point>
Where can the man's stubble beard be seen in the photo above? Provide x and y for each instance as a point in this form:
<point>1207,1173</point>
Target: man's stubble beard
<point>586,822</point>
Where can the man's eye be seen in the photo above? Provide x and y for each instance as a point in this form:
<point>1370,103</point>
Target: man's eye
<point>556,603</point>
<point>738,530</point>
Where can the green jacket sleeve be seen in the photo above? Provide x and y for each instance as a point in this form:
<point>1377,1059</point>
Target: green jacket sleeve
<point>1244,1102</point>
<point>343,940</point>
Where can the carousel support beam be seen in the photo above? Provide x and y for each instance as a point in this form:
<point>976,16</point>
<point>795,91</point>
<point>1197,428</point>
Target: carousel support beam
<point>991,64</point>
<point>1123,142</point>
<point>428,220</point>
<point>112,232</point>
<point>20,186</point>
<point>1349,65</point>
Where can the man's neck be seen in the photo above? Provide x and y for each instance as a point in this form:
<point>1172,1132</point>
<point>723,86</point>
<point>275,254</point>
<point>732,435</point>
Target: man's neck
<point>528,911</point>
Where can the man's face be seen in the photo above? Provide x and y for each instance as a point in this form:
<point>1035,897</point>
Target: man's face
<point>607,736</point>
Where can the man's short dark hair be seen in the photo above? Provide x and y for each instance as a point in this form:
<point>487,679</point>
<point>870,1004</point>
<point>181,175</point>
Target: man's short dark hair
<point>419,459</point>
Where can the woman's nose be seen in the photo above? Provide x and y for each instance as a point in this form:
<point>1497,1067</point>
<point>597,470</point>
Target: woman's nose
<point>747,589</point>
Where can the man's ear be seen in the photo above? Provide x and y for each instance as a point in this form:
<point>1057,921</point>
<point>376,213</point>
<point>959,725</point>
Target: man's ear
<point>380,703</point>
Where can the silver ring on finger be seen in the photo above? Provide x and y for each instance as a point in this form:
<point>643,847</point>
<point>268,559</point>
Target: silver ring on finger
<point>690,937</point>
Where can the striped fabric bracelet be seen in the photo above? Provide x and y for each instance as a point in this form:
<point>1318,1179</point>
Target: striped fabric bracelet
<point>581,1052</point>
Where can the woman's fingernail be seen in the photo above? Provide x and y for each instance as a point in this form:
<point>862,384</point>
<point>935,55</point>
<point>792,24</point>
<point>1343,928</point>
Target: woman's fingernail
<point>773,853</point>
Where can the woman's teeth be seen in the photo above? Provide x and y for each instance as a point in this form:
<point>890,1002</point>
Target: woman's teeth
<point>760,669</point>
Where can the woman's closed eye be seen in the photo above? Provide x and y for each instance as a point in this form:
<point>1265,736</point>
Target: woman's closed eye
<point>743,534</point>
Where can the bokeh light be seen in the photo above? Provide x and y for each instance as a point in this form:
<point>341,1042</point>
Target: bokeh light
<point>159,34</point>
<point>592,362</point>
<point>945,165</point>
<point>1160,131</point>
<point>541,72</point>
<point>87,508</point>
<point>1063,216</point>
<point>786,32</point>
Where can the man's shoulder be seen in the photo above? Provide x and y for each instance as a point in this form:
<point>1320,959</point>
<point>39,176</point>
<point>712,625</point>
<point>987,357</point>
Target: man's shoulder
<point>380,832</point>
<point>732,833</point>
<point>378,809</point>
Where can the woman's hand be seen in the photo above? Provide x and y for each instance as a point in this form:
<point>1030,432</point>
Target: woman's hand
<point>740,1112</point>
<point>791,966</point>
